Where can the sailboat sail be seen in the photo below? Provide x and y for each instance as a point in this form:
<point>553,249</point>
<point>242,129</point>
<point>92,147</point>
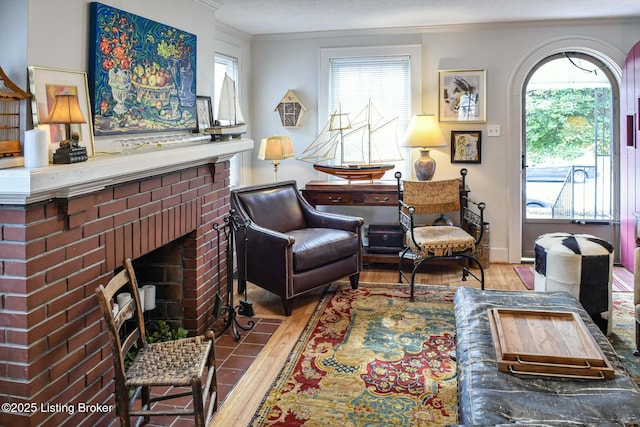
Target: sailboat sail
<point>354,151</point>
<point>229,106</point>
<point>229,123</point>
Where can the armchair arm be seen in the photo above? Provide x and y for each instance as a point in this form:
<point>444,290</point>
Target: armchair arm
<point>319,219</point>
<point>476,219</point>
<point>267,254</point>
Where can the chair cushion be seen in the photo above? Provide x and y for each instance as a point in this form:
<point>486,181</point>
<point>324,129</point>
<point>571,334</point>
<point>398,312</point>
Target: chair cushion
<point>275,208</point>
<point>439,240</point>
<point>314,247</point>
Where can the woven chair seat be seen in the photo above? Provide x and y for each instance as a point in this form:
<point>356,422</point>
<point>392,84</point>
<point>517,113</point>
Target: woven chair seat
<point>439,240</point>
<point>175,362</point>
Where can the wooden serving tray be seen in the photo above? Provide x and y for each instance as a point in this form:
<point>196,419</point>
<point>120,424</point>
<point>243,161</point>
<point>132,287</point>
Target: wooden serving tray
<point>548,343</point>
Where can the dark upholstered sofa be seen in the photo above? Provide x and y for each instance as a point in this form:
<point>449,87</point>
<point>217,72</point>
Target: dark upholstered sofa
<point>292,248</point>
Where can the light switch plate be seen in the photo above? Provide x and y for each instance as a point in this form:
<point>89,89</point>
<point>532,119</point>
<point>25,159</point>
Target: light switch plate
<point>493,130</point>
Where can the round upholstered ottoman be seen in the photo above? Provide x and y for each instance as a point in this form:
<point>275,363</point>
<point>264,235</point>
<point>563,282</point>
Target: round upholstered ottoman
<point>580,264</point>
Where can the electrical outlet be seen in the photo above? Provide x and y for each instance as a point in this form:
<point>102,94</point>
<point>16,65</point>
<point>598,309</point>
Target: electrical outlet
<point>493,130</point>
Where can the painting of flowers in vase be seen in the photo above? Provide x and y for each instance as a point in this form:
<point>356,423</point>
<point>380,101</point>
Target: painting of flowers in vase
<point>141,74</point>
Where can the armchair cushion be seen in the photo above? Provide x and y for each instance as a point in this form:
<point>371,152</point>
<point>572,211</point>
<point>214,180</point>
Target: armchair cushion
<point>315,247</point>
<point>441,240</point>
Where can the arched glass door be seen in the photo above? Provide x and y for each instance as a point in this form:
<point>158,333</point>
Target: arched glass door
<point>568,158</point>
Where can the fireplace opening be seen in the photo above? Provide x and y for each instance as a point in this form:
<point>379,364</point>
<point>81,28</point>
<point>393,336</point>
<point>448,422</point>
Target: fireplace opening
<point>162,272</point>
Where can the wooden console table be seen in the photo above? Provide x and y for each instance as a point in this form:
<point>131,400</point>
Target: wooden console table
<point>363,193</point>
<point>358,193</point>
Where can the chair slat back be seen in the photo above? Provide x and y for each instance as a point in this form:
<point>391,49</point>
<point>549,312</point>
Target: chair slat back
<point>123,339</point>
<point>433,196</point>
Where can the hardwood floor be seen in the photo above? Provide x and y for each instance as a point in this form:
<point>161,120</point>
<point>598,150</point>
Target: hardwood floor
<point>244,400</point>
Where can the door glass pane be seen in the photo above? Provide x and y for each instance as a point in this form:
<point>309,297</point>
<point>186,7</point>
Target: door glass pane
<point>568,142</point>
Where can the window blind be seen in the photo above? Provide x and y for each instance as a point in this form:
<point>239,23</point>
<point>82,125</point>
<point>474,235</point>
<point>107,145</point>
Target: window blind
<point>383,80</point>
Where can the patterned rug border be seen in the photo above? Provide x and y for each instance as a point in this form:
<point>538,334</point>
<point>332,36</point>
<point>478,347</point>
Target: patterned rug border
<point>297,350</point>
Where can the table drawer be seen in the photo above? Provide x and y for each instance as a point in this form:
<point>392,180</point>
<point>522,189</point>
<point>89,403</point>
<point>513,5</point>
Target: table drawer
<point>383,199</point>
<point>316,198</point>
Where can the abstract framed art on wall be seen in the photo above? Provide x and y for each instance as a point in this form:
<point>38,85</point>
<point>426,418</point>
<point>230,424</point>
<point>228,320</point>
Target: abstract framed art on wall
<point>466,146</point>
<point>462,96</point>
<point>141,74</point>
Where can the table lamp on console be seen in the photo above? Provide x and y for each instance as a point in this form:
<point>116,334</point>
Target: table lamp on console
<point>424,132</point>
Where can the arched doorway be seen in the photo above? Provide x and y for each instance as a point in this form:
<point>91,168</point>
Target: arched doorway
<point>568,148</point>
<point>608,55</point>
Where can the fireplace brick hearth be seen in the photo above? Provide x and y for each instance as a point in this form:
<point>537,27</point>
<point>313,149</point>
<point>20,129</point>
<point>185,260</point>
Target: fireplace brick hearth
<point>55,252</point>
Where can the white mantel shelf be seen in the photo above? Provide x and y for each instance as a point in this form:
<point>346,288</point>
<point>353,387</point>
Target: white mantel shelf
<point>20,186</point>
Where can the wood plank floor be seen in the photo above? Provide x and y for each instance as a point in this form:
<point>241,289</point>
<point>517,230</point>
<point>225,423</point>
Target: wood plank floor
<point>244,400</point>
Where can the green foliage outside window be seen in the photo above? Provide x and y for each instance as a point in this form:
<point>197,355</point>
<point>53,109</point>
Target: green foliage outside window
<point>564,123</point>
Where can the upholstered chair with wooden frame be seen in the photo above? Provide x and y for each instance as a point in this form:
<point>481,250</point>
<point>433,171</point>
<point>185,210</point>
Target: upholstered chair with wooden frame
<point>431,242</point>
<point>181,363</point>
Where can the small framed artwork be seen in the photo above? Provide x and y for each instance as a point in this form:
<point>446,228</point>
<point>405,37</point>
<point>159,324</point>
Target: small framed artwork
<point>204,112</point>
<point>45,84</point>
<point>466,146</point>
<point>462,96</point>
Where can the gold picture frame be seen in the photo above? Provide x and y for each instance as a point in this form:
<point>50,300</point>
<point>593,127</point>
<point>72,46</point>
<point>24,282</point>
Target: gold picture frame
<point>44,84</point>
<point>462,96</point>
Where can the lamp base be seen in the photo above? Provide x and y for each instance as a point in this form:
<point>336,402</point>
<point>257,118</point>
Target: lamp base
<point>70,152</point>
<point>424,166</point>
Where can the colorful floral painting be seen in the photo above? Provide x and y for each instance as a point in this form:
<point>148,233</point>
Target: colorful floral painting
<point>141,74</point>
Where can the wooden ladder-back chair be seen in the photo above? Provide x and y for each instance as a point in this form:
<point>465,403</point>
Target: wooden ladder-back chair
<point>177,363</point>
<point>426,243</point>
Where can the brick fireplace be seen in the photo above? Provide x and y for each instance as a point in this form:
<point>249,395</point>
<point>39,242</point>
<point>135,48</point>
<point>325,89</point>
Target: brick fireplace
<point>55,251</point>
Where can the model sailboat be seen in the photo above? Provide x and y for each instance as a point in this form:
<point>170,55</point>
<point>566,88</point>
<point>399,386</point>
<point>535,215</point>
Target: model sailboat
<point>228,112</point>
<point>355,149</point>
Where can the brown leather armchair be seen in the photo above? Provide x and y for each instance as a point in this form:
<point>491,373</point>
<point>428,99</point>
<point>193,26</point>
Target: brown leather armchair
<point>292,248</point>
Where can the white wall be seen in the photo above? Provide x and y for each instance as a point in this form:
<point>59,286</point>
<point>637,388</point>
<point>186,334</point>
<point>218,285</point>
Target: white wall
<point>283,62</point>
<point>13,49</point>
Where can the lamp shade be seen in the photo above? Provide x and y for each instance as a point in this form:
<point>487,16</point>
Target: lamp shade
<point>66,110</point>
<point>276,148</point>
<point>424,131</point>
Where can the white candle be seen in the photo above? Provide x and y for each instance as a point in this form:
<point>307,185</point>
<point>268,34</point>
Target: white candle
<point>122,299</point>
<point>141,295</point>
<point>36,149</point>
<point>149,297</point>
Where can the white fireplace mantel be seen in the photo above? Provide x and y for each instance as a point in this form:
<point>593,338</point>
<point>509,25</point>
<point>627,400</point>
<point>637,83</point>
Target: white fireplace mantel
<point>21,186</point>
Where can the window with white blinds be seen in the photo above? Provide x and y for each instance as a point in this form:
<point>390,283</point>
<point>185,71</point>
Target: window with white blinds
<point>388,77</point>
<point>385,81</point>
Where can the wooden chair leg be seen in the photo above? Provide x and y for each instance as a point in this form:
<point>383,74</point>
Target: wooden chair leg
<point>145,395</point>
<point>198,403</point>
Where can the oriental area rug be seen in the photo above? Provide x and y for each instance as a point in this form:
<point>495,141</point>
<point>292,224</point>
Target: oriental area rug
<point>369,357</point>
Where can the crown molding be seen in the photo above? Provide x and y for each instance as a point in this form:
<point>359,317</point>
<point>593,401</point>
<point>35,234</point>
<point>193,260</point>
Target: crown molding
<point>470,27</point>
<point>211,4</point>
